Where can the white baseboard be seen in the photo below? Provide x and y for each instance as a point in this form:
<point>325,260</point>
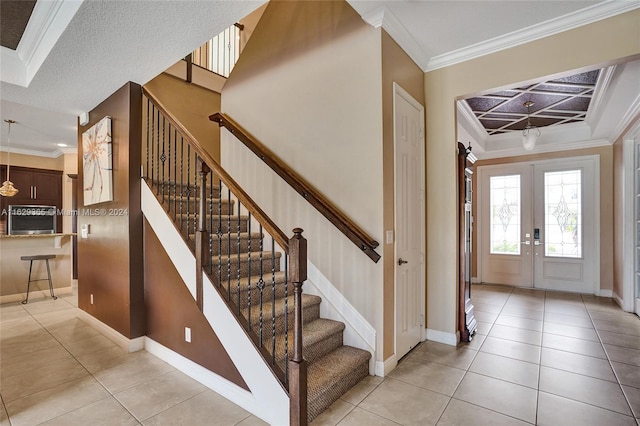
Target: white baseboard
<point>129,345</point>
<point>442,337</point>
<point>604,293</point>
<point>35,295</point>
<point>618,300</point>
<point>476,280</point>
<point>383,368</point>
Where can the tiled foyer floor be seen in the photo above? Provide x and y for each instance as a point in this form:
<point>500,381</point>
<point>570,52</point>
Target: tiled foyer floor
<point>539,358</point>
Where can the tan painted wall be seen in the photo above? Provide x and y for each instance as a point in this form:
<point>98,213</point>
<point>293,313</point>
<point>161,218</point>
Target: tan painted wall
<point>607,41</point>
<point>191,105</point>
<point>34,161</point>
<point>308,85</point>
<point>397,67</point>
<point>70,167</point>
<point>606,203</point>
<point>618,217</point>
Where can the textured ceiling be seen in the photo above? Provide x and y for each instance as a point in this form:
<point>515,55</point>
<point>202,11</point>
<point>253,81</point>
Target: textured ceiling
<point>557,101</point>
<point>14,16</point>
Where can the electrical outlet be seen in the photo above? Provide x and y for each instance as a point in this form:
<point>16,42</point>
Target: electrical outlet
<point>92,299</point>
<point>187,334</point>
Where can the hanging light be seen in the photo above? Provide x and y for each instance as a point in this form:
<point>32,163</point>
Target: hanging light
<point>7,189</point>
<point>530,133</point>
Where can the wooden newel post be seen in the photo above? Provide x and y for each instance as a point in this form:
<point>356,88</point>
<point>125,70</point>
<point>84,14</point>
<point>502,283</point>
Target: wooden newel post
<point>297,364</point>
<point>202,236</point>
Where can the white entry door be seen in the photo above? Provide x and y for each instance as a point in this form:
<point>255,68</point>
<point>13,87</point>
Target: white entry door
<point>636,257</point>
<point>540,224</point>
<point>409,220</point>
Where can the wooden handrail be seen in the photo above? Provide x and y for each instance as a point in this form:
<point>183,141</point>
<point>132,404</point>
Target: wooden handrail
<point>351,230</point>
<point>280,237</point>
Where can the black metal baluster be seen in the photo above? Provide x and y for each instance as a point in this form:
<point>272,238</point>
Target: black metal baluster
<point>153,135</point>
<point>163,156</point>
<point>229,249</point>
<point>261,289</point>
<point>175,171</point>
<point>169,171</point>
<point>273,301</point>
<point>195,192</point>
<point>146,170</point>
<point>211,231</point>
<point>157,151</point>
<point>219,233</point>
<point>188,189</point>
<point>248,257</point>
<point>286,318</point>
<point>239,255</point>
<point>181,181</point>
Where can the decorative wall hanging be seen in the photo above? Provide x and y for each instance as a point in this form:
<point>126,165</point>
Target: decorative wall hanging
<point>97,163</point>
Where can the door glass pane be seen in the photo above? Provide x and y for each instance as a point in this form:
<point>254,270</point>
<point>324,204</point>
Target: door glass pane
<point>505,214</point>
<point>563,213</point>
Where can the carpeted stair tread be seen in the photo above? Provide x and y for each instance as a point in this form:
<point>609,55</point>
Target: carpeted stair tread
<point>319,337</point>
<point>244,257</point>
<point>333,375</point>
<point>308,302</point>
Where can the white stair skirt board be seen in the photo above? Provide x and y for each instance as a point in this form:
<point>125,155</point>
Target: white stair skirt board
<point>269,401</point>
<point>357,331</point>
<point>129,345</point>
<point>443,337</point>
<point>383,368</point>
<point>604,293</point>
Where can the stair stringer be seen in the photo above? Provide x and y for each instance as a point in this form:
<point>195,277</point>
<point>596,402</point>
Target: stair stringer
<point>267,398</point>
<point>357,331</point>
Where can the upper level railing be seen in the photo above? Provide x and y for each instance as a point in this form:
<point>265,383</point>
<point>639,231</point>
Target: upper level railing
<point>349,228</point>
<point>219,54</point>
<point>250,261</point>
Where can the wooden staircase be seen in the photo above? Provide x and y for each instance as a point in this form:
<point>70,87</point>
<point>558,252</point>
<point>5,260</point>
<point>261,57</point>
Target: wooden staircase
<point>252,278</point>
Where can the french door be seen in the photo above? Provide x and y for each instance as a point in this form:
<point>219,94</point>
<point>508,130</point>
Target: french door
<point>539,224</point>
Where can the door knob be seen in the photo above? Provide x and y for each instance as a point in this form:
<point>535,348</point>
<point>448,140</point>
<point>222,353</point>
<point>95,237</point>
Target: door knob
<point>527,243</point>
<point>400,261</point>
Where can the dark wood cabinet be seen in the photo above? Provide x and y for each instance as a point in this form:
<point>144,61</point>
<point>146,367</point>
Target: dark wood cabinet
<point>37,187</point>
<point>467,324</point>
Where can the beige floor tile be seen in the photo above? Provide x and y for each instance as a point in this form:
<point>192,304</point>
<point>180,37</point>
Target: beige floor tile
<point>571,331</point>
<point>624,355</point>
<point>18,327</point>
<point>252,421</point>
<point>206,409</point>
<point>536,315</point>
<point>476,342</point>
<point>627,374</point>
<point>633,396</point>
<point>483,327</point>
<point>568,319</point>
<point>159,394</point>
<point>554,410</point>
<point>87,345</point>
<point>32,360</point>
<point>132,372</point>
<point>359,417</point>
<point>576,363</point>
<point>497,395</point>
<point>75,330</point>
<point>589,390</point>
<point>453,356</point>
<point>507,369</point>
<point>40,379</point>
<point>487,317</point>
<point>404,403</point>
<point>519,322</point>
<point>435,377</point>
<point>12,313</point>
<point>51,403</point>
<point>360,391</point>
<point>570,344</point>
<point>617,327</point>
<point>486,307</point>
<point>106,358</point>
<point>106,412</point>
<point>529,292</point>
<point>4,417</point>
<point>595,303</point>
<point>460,413</point>
<point>30,341</point>
<point>567,309</point>
<point>620,317</point>
<point>334,414</point>
<point>516,334</point>
<point>619,339</point>
<point>525,304</point>
<point>56,319</point>
<point>563,296</point>
<point>511,349</point>
<point>48,305</point>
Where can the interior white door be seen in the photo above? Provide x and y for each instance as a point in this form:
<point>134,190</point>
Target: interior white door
<point>565,217</point>
<point>409,220</point>
<point>505,217</point>
<point>539,224</point>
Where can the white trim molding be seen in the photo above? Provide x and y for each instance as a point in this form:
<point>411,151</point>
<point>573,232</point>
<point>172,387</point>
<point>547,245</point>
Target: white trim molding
<point>443,337</point>
<point>383,368</point>
<point>129,345</point>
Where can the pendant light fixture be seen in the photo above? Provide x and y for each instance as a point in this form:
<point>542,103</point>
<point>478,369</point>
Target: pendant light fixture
<point>530,133</point>
<point>7,189</point>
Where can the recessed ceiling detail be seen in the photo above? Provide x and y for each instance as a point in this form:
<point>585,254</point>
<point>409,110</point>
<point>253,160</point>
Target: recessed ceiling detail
<point>557,101</point>
<point>14,16</point>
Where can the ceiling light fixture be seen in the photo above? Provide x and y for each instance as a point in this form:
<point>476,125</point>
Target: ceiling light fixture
<point>530,133</point>
<point>7,189</point>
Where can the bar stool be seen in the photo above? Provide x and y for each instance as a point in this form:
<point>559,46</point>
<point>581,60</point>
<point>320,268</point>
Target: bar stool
<point>46,258</point>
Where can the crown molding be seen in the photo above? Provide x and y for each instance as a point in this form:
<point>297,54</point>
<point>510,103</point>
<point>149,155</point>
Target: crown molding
<point>631,114</point>
<point>543,148</point>
<point>585,16</point>
<point>383,17</point>
<point>470,122</point>
<point>598,101</point>
<point>37,153</point>
<point>46,24</point>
